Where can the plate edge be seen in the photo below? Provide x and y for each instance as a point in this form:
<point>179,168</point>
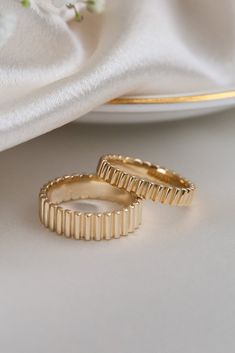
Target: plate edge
<point>174,99</point>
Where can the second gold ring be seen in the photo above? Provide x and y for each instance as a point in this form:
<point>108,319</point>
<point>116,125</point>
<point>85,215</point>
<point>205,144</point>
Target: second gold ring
<point>147,180</point>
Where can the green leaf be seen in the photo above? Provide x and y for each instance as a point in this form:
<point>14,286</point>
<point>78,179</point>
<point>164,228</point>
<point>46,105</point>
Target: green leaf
<point>25,3</point>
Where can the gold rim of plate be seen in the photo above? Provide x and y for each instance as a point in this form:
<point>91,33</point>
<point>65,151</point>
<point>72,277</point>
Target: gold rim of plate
<point>174,99</point>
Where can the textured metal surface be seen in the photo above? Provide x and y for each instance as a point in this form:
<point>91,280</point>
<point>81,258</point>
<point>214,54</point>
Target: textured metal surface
<point>148,181</point>
<point>88,226</point>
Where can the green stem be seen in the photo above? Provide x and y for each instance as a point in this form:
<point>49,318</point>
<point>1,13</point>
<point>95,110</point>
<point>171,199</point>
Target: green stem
<point>78,16</point>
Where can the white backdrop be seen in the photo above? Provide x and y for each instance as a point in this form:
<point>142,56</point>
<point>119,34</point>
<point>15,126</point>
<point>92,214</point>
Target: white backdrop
<point>168,288</point>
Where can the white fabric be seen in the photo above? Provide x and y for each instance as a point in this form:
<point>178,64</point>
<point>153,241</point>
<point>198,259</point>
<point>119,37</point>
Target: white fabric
<point>53,71</point>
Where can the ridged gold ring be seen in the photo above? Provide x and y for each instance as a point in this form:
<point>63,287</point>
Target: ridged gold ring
<point>88,226</point>
<point>147,180</point>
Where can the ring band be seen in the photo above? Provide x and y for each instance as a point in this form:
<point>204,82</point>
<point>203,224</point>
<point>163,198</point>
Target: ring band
<point>88,226</point>
<point>147,180</point>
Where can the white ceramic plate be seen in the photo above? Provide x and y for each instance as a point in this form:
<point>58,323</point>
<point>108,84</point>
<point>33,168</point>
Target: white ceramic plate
<point>160,108</point>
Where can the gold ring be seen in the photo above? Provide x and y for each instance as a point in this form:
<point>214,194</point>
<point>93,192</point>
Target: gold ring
<point>147,180</point>
<point>88,226</point>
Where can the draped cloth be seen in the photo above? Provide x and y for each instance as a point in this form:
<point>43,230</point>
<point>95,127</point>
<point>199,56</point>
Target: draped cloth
<point>54,70</point>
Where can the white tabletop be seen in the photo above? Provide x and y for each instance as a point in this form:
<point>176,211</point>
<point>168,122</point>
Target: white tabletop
<point>168,288</point>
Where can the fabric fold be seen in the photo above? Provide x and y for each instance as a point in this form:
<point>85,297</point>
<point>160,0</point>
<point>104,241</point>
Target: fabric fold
<point>53,71</point>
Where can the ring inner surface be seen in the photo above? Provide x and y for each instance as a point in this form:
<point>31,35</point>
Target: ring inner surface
<point>88,188</point>
<point>152,174</point>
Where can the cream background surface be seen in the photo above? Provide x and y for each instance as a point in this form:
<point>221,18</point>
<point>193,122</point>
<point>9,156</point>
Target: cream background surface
<point>52,72</point>
<point>168,288</point>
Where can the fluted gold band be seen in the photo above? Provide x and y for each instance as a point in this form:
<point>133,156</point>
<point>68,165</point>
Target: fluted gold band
<point>88,226</point>
<point>147,180</point>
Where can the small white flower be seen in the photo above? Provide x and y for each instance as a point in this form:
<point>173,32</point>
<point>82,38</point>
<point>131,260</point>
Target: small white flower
<point>59,6</point>
<point>7,27</point>
<point>63,3</point>
<point>47,6</point>
<point>96,6</point>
